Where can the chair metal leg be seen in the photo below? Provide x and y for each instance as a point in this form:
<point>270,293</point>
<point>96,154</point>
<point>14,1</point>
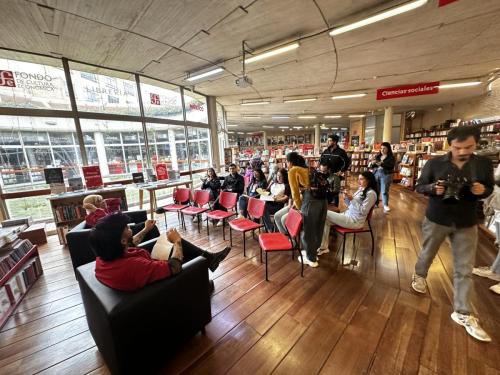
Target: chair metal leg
<point>343,248</point>
<point>199,220</point>
<point>208,232</point>
<point>373,241</point>
<point>244,244</point>
<point>301,263</point>
<point>353,241</point>
<point>230,236</point>
<point>165,215</point>
<point>260,254</point>
<point>266,267</point>
<point>224,229</point>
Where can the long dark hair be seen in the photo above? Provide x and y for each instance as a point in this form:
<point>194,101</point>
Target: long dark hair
<point>372,183</point>
<point>284,173</point>
<point>296,159</point>
<point>389,149</point>
<point>213,171</point>
<point>262,176</point>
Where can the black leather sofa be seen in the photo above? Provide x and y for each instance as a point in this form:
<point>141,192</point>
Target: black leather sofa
<point>78,239</point>
<point>137,332</point>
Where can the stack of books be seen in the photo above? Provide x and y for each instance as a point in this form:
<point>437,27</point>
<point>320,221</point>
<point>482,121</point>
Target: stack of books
<point>13,253</point>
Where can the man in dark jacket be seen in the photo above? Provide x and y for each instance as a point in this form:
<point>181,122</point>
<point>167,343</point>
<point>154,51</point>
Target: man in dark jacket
<point>454,183</point>
<point>334,150</point>
<point>234,182</point>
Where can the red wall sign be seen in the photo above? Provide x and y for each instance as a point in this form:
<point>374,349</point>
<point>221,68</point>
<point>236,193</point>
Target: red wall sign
<point>155,99</point>
<point>161,171</point>
<point>408,90</point>
<point>7,78</point>
<point>442,3</point>
<point>92,175</point>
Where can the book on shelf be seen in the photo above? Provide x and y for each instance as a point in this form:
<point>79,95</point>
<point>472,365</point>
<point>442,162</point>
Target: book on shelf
<point>75,184</point>
<point>4,301</point>
<point>12,254</point>
<point>69,212</point>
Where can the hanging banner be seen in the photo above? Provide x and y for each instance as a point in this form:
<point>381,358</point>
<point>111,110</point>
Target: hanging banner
<point>408,90</point>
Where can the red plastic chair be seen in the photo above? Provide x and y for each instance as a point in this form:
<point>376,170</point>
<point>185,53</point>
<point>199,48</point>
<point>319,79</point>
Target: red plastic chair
<point>228,201</point>
<point>270,242</point>
<point>201,198</point>
<point>345,231</point>
<point>256,208</point>
<point>180,195</point>
<point>113,204</point>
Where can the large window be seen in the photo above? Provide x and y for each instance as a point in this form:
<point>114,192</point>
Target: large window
<point>116,146</point>
<point>96,90</point>
<point>28,85</point>
<point>199,147</point>
<point>196,107</point>
<point>168,145</point>
<point>30,144</point>
<point>161,100</point>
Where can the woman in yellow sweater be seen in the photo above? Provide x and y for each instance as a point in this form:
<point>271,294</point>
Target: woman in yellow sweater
<point>312,203</point>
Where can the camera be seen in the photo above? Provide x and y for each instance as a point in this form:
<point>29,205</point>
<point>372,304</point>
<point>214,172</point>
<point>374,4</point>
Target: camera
<point>453,187</point>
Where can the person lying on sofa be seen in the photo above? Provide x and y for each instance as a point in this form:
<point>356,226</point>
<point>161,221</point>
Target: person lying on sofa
<point>96,209</point>
<point>125,268</point>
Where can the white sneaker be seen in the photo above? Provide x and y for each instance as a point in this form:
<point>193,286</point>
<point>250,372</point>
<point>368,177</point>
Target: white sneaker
<point>471,325</point>
<point>323,251</point>
<point>419,284</point>
<point>219,224</point>
<point>486,272</point>
<point>307,261</point>
<point>495,288</point>
<point>387,208</point>
<point>195,219</point>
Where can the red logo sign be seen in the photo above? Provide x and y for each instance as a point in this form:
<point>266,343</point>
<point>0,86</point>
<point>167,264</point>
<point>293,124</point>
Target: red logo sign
<point>161,171</point>
<point>408,90</point>
<point>196,107</point>
<point>155,99</point>
<point>92,175</point>
<point>7,78</point>
<point>442,3</point>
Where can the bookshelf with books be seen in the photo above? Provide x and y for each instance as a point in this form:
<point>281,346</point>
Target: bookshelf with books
<point>359,160</point>
<point>68,211</point>
<point>408,168</point>
<point>20,268</point>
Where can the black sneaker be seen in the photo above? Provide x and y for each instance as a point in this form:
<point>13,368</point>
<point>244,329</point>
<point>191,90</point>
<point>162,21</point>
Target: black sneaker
<point>160,210</point>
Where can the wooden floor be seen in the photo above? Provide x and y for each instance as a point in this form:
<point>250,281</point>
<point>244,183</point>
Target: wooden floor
<point>359,319</point>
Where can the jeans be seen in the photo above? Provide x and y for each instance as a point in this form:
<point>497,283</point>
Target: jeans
<point>335,218</point>
<point>271,209</point>
<point>384,182</point>
<point>243,205</point>
<point>280,218</point>
<point>463,246</point>
<point>314,214</point>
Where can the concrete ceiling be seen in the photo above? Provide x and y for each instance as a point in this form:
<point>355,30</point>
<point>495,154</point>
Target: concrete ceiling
<point>167,39</point>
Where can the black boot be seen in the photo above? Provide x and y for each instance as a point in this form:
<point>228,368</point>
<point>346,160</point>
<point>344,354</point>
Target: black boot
<point>215,258</point>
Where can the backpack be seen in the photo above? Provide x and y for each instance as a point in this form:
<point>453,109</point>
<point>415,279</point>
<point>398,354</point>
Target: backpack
<point>319,184</point>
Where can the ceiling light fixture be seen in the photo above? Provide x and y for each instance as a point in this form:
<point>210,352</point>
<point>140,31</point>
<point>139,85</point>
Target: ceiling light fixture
<point>280,117</point>
<point>196,76</point>
<point>283,127</point>
<point>349,96</point>
<point>457,85</point>
<point>379,17</point>
<point>332,116</point>
<point>272,52</point>
<point>251,116</point>
<point>306,117</point>
<point>299,100</point>
<point>258,102</point>
<point>298,127</point>
<point>356,116</point>
<point>232,126</point>
<point>268,127</point>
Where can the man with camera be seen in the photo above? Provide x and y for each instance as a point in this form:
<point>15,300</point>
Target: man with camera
<point>454,183</point>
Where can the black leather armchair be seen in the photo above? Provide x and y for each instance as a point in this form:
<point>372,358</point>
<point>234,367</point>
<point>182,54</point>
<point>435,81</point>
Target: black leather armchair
<point>137,332</point>
<point>78,239</point>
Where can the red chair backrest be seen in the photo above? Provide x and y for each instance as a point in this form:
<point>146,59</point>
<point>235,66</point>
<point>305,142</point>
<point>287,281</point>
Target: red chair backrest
<point>113,204</point>
<point>201,197</point>
<point>256,208</point>
<point>181,195</point>
<point>227,199</point>
<point>293,222</point>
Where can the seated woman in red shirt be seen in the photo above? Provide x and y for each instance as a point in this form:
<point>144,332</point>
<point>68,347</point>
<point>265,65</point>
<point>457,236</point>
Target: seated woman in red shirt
<point>130,268</point>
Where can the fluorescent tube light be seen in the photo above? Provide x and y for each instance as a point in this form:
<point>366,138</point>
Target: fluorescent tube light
<point>283,127</point>
<point>356,116</point>
<point>298,127</point>
<point>280,117</point>
<point>257,102</point>
<point>349,96</point>
<point>456,85</point>
<point>332,116</point>
<point>271,53</point>
<point>232,126</point>
<point>268,127</point>
<point>379,17</point>
<point>251,116</point>
<point>299,100</point>
<point>209,73</point>
<point>306,117</point>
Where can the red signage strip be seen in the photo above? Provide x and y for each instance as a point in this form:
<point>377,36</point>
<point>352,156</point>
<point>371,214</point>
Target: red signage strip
<point>442,3</point>
<point>408,90</point>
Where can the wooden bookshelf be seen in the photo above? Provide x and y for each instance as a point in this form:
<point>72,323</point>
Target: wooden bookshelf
<point>32,254</point>
<point>67,208</point>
